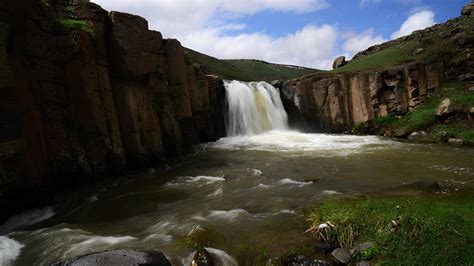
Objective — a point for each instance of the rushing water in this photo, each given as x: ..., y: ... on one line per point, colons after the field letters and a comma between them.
x: 249, y: 190
x: 254, y: 108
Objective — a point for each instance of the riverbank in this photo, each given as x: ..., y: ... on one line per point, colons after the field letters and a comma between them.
x: 409, y: 228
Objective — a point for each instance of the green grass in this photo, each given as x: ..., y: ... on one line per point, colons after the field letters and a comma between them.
x: 422, y: 117
x: 406, y: 230
x: 444, y: 132
x: 391, y: 56
x: 383, y: 120
x: 73, y: 24
x: 245, y: 69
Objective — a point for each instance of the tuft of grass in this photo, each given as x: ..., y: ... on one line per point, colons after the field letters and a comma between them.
x: 357, y: 129
x: 391, y: 56
x: 429, y: 230
x: 199, y: 238
x: 383, y: 120
x: 73, y: 24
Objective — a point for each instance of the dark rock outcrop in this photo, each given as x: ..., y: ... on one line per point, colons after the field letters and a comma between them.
x: 339, y: 62
x: 118, y: 257
x: 87, y: 93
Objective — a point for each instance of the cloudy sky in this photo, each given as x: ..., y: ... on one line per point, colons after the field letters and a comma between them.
x: 300, y: 32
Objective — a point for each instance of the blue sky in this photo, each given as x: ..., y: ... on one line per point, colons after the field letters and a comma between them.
x: 301, y: 32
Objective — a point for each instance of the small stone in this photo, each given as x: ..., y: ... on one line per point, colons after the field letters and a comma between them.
x: 363, y: 263
x: 471, y: 111
x: 342, y: 255
x: 444, y: 108
x: 471, y: 89
x: 419, y: 51
x: 362, y: 247
x: 454, y: 141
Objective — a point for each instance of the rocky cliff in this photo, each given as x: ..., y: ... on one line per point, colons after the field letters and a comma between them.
x: 338, y: 102
x: 389, y: 80
x: 86, y: 93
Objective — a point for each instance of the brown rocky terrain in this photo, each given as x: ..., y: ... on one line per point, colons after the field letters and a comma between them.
x: 87, y: 93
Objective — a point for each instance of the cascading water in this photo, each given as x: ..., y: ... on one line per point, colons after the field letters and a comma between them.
x: 253, y: 108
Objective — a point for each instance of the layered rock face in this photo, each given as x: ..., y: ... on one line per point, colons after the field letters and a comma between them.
x: 87, y: 93
x: 337, y: 102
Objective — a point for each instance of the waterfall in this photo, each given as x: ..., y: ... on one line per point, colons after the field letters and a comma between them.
x: 253, y: 108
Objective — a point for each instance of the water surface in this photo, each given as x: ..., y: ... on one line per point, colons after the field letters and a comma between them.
x: 251, y: 191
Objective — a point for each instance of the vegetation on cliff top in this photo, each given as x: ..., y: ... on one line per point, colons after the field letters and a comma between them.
x: 246, y: 69
x: 436, y: 43
x: 433, y: 229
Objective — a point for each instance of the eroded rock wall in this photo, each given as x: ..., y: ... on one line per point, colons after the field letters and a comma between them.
x: 337, y: 102
x: 86, y: 93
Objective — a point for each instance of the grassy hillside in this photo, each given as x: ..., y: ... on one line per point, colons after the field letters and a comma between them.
x: 246, y: 69
x: 446, y: 42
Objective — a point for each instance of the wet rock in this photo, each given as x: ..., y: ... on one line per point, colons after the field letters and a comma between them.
x: 401, y: 132
x: 464, y: 77
x: 418, y: 136
x: 444, y: 108
x: 339, y: 62
x: 202, y: 258
x: 325, y: 247
x: 310, y: 179
x: 342, y: 255
x: 418, y: 51
x: 422, y: 184
x: 118, y: 257
x: 468, y: 10
x: 362, y: 247
x: 303, y: 260
x: 454, y: 141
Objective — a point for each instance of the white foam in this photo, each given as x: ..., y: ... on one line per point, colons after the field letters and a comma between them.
x: 255, y: 172
x: 26, y: 219
x: 262, y: 186
x: 204, y: 180
x: 230, y: 215
x: 299, y: 143
x: 221, y: 258
x: 218, y: 192
x: 330, y: 192
x: 94, y: 242
x: 289, y: 181
x: 9, y: 250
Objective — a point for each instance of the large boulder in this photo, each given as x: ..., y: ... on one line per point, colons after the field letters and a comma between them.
x: 339, y: 62
x: 117, y: 257
x: 468, y: 9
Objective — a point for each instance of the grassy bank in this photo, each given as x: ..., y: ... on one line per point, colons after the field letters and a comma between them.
x: 433, y: 229
x: 438, y: 129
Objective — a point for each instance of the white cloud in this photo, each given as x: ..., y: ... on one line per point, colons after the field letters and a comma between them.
x: 356, y: 42
x: 416, y: 21
x: 311, y: 46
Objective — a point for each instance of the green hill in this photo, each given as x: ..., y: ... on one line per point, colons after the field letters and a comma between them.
x: 246, y: 69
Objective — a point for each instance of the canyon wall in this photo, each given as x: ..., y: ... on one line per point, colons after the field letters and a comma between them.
x: 336, y: 103
x: 87, y: 93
